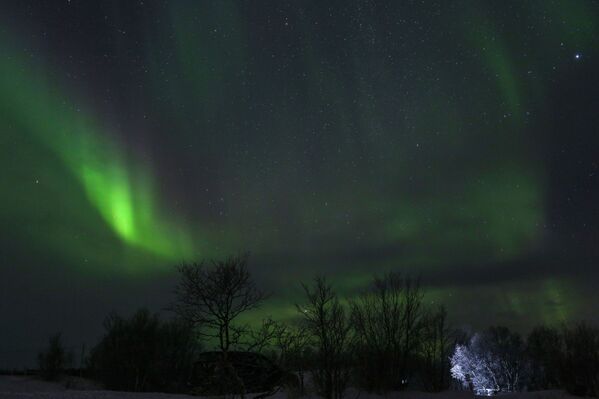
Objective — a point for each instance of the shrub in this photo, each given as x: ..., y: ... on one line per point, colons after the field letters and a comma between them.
x: 54, y: 360
x: 143, y: 353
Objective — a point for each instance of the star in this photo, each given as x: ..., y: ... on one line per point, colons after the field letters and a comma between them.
x: 577, y: 56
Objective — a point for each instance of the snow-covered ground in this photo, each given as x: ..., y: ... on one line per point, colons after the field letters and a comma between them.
x: 26, y: 387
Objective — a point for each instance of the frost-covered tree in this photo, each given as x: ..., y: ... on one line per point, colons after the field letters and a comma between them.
x: 491, y: 362
x: 473, y: 369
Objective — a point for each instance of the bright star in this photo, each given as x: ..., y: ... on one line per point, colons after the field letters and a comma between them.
x: 578, y: 56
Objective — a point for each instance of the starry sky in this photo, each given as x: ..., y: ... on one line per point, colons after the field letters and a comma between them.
x: 456, y: 141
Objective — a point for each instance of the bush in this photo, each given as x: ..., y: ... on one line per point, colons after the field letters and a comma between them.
x: 54, y: 360
x: 143, y: 354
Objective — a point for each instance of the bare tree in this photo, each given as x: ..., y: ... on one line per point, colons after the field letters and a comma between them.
x: 386, y: 318
x: 412, y: 314
x: 292, y: 343
x: 436, y: 347
x: 328, y: 326
x: 212, y: 297
x: 508, y: 347
x: 544, y: 349
x: 264, y: 337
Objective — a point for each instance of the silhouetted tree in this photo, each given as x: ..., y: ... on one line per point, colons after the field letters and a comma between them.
x: 436, y: 346
x: 55, y: 359
x: 544, y: 349
x: 212, y: 298
x: 386, y: 319
x: 329, y: 329
x: 293, y: 343
x: 580, y: 363
x: 178, y: 349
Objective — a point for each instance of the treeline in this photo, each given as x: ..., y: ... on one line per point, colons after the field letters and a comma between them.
x: 384, y: 339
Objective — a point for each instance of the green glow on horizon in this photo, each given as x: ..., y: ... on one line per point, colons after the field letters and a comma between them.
x: 498, y: 214
x: 508, y: 303
x: 559, y: 307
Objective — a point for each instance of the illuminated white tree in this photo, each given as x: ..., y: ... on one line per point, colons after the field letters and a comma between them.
x: 491, y: 362
x: 473, y: 369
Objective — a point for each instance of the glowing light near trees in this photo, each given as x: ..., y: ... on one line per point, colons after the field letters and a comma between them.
x: 491, y: 362
x: 470, y: 368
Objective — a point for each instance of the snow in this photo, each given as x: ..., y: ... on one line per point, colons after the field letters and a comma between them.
x: 27, y: 387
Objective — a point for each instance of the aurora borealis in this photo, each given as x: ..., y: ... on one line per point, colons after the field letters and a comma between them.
x: 452, y: 140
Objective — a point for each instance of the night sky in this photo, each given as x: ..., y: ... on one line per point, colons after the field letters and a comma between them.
x: 453, y: 140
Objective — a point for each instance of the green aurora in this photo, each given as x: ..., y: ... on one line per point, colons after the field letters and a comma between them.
x: 70, y: 148
x: 315, y: 153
